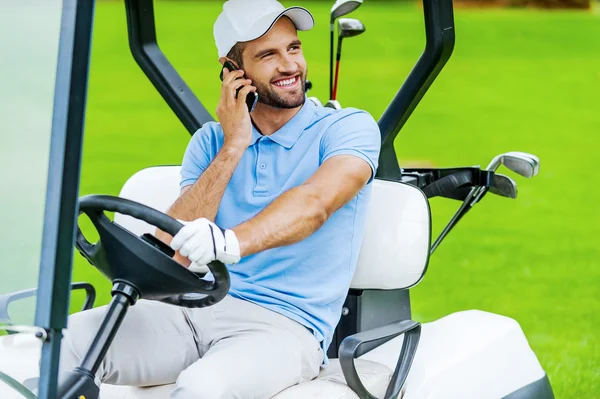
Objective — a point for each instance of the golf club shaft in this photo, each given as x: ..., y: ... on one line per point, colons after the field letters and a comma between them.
x: 337, y: 69
x: 331, y: 40
x: 475, y: 195
x: 493, y: 166
x: 464, y: 208
x: 457, y: 216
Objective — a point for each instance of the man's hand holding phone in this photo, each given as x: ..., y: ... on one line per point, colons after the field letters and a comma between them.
x: 233, y: 112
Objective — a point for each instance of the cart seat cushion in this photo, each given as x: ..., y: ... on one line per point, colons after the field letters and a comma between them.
x: 395, y: 250
x: 330, y: 384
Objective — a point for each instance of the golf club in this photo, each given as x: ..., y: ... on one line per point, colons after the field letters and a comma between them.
x: 339, y: 9
x: 504, y: 186
x: 519, y: 162
x: 347, y: 27
x: 526, y: 165
x: 535, y: 160
x: 333, y: 104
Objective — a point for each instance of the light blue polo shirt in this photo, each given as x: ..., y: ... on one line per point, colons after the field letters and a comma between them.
x: 307, y: 281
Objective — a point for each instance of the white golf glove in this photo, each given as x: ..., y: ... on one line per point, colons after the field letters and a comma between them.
x: 202, y: 242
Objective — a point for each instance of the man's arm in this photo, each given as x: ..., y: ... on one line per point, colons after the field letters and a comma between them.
x: 301, y: 211
x: 202, y: 199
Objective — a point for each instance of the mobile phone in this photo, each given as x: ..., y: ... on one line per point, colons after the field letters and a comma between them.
x: 252, y: 97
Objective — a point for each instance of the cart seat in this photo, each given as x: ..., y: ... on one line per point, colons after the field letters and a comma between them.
x: 397, y: 237
x: 330, y: 384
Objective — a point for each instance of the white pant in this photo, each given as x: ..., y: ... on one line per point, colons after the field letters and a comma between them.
x: 234, y: 349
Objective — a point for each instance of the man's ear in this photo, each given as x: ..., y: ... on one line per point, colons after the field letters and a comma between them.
x: 223, y: 59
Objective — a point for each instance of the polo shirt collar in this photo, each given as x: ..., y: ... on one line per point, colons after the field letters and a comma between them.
x: 291, y: 131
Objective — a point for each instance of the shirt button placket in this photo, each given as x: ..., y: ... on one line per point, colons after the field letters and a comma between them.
x: 262, y: 177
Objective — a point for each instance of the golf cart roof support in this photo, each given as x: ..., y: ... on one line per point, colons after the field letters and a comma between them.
x: 142, y: 42
x: 439, y: 32
x: 60, y: 214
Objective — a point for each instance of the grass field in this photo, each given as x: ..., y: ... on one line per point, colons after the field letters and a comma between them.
x: 518, y: 80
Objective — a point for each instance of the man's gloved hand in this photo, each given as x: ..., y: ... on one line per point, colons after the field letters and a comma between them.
x: 202, y: 242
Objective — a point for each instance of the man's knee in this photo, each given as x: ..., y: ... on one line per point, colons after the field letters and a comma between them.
x: 81, y: 329
x: 222, y: 380
x: 205, y: 384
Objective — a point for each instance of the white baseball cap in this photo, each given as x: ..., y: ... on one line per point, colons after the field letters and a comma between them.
x: 246, y: 20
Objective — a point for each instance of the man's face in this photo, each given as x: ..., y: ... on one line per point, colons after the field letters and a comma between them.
x: 276, y: 66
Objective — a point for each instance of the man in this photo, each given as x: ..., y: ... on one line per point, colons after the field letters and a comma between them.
x: 280, y: 196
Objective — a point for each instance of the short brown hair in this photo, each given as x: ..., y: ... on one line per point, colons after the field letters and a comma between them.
x: 236, y: 53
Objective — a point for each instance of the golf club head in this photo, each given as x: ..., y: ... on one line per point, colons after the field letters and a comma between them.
x: 349, y: 27
x: 343, y: 7
x: 335, y: 104
x: 526, y: 165
x: 504, y: 186
x: 534, y: 160
x: 339, y: 9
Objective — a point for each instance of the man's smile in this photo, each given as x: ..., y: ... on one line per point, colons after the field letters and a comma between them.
x: 287, y: 83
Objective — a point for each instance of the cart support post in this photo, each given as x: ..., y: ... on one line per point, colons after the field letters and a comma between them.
x: 70, y: 95
x: 439, y: 32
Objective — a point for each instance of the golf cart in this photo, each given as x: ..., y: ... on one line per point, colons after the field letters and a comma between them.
x: 378, y: 351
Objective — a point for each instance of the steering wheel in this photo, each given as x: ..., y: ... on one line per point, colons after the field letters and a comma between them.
x: 144, y: 262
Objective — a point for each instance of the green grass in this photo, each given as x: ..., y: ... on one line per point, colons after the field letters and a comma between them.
x: 518, y: 80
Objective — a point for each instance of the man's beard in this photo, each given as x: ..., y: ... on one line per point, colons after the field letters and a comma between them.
x: 267, y: 94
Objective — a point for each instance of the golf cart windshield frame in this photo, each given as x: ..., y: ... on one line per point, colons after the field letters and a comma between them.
x: 439, y: 30
x: 70, y: 95
x: 144, y: 48
x: 439, y: 33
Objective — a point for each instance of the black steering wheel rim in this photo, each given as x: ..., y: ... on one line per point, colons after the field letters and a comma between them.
x: 94, y: 207
x: 95, y: 204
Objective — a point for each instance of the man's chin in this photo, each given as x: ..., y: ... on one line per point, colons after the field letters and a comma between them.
x: 296, y: 101
x: 288, y: 101
x: 293, y: 104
